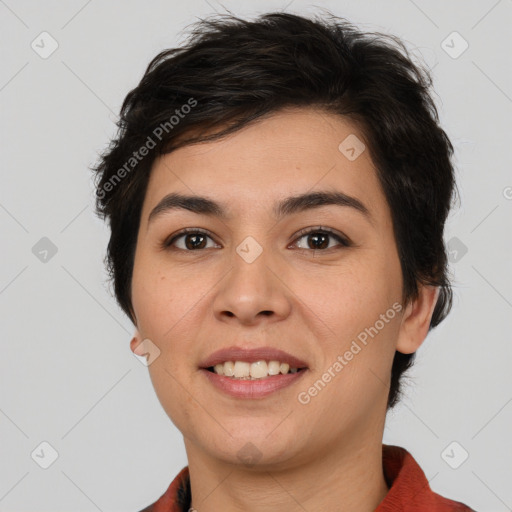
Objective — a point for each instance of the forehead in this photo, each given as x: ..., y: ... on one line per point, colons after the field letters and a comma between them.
x: 290, y: 152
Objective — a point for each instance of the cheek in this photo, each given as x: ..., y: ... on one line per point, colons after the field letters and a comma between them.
x: 168, y: 307
x: 154, y: 297
x: 356, y: 306
x: 350, y: 298
x: 163, y: 307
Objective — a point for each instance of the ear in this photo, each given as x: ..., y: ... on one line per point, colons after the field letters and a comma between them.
x: 416, y: 320
x: 137, y: 338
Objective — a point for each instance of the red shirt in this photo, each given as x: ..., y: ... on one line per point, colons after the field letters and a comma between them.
x: 409, y: 488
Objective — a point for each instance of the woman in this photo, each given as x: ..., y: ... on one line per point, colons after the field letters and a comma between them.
x: 277, y: 195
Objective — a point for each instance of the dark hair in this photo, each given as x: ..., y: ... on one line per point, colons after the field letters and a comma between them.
x: 232, y: 72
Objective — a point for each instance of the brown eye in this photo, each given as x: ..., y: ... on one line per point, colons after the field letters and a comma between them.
x: 319, y: 239
x: 190, y: 240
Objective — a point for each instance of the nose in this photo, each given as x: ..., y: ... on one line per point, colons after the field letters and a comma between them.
x: 253, y: 291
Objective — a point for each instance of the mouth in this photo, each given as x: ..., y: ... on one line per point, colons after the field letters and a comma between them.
x: 244, y: 370
x: 255, y: 373
x: 256, y: 363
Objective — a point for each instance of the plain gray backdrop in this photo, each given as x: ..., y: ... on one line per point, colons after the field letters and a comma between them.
x: 68, y: 377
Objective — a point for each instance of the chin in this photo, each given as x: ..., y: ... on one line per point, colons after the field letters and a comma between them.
x: 254, y: 448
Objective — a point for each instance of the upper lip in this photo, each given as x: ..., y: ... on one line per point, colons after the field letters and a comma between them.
x: 235, y: 353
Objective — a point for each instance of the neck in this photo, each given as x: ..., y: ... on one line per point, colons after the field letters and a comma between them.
x: 345, y: 479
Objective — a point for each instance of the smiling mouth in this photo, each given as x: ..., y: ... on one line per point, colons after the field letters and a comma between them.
x: 258, y: 370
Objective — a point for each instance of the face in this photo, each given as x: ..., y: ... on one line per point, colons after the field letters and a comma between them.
x: 320, y: 281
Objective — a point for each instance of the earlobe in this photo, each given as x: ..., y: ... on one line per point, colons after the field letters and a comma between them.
x: 137, y: 338
x: 416, y: 319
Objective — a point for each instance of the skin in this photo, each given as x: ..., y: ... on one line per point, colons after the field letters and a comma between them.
x: 324, y: 455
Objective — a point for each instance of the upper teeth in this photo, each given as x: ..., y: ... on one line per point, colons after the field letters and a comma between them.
x: 257, y: 370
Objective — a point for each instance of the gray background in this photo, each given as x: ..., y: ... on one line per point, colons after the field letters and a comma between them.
x: 67, y: 374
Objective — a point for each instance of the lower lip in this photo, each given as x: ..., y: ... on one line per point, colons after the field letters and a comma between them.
x: 258, y: 388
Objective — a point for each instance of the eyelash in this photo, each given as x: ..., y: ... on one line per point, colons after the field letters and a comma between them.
x: 306, y: 231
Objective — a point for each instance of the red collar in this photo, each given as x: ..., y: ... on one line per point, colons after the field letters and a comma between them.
x: 409, y: 488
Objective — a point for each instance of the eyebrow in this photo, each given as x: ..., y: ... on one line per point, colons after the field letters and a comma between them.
x: 288, y: 206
